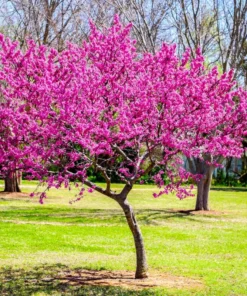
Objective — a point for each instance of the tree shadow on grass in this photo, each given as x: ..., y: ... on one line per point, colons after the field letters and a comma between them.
x: 97, y: 216
x: 154, y: 217
x: 150, y: 216
x: 234, y: 189
x: 81, y: 217
x: 61, y: 280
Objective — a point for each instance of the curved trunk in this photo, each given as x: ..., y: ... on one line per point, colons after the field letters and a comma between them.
x: 11, y: 183
x: 203, y: 187
x: 141, y: 261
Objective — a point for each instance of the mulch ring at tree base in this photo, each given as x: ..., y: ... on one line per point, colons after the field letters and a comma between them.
x: 13, y: 194
x: 126, y: 280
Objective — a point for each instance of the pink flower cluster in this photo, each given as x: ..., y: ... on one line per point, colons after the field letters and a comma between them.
x: 105, y: 106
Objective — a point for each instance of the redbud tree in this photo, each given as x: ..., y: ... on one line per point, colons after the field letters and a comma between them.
x: 226, y: 113
x: 104, y: 106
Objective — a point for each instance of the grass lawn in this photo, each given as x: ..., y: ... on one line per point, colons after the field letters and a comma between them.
x: 39, y: 242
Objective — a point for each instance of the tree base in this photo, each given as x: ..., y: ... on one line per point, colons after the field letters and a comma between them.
x: 202, y: 209
x: 11, y: 184
x: 143, y: 275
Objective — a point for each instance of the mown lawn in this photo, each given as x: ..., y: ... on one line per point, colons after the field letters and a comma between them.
x: 39, y: 241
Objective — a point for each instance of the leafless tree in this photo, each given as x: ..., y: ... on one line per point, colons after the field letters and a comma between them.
x: 49, y: 22
x: 218, y: 27
x: 231, y: 32
x: 149, y: 19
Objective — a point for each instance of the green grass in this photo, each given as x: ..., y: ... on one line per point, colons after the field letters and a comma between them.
x: 36, y: 240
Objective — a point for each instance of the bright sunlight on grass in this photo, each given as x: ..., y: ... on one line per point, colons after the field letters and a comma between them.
x: 40, y: 241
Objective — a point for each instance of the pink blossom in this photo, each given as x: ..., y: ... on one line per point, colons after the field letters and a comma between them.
x: 103, y: 106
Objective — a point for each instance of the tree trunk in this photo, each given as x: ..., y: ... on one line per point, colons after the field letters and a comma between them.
x: 141, y: 261
x: 228, y: 167
x: 243, y: 177
x: 11, y: 183
x: 199, y: 197
x: 203, y: 187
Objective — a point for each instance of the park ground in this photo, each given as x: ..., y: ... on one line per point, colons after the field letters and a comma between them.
x: 85, y: 247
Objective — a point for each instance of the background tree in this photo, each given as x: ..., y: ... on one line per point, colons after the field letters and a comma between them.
x: 149, y: 19
x: 219, y: 29
x: 194, y: 25
x: 48, y: 22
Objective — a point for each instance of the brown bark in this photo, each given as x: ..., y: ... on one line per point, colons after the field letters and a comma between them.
x: 228, y: 167
x: 121, y: 199
x: 199, y: 197
x: 141, y: 261
x: 11, y: 183
x: 203, y: 187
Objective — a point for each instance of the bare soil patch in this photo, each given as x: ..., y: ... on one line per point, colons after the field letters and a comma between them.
x: 13, y: 194
x: 126, y: 280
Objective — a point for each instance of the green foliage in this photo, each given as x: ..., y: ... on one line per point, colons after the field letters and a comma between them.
x: 226, y: 180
